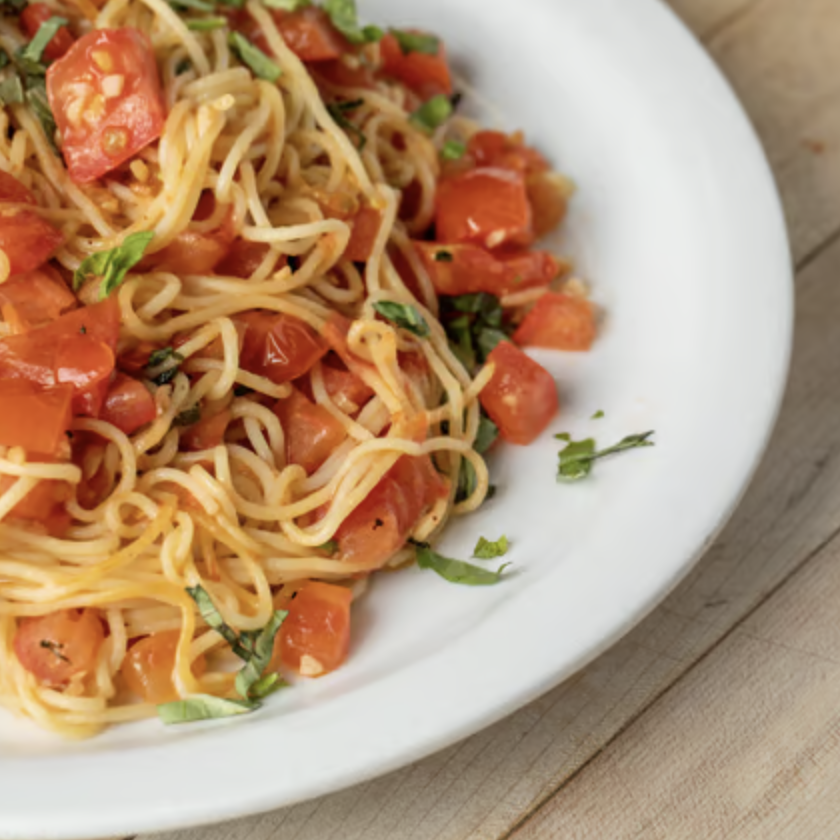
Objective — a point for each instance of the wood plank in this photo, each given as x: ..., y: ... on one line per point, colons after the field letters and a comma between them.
x: 746, y: 747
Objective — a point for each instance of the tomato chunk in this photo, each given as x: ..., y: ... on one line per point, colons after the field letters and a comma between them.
x: 559, y: 321
x: 34, y: 419
x: 380, y: 525
x: 348, y: 391
x: 59, y: 646
x: 243, y: 258
x: 521, y: 398
x: 277, y: 346
x: 487, y: 206
x: 12, y: 190
x: 149, y: 665
x: 312, y: 433
x: 315, y: 637
x: 427, y: 75
x: 365, y: 229
x: 310, y: 35
x: 31, y: 19
x: 464, y: 269
x: 128, y: 405
x: 27, y: 239
x: 207, y: 433
x: 107, y: 100
x: 35, y: 298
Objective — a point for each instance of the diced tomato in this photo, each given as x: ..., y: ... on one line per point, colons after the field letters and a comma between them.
x: 31, y: 19
x: 335, y: 333
x: 427, y: 75
x: 135, y: 360
x: 487, y: 206
x: 380, y: 525
x: 312, y: 433
x: 60, y: 645
x: 243, y: 258
x: 27, y: 239
x: 559, y: 321
x: 88, y: 455
x: 345, y: 74
x: 310, y: 35
x: 317, y: 627
x: 42, y: 502
x: 521, y: 398
x: 277, y: 346
x: 128, y: 405
x: 149, y: 665
x: 107, y: 100
x: 34, y: 419
x: 348, y: 391
x: 207, y: 433
x: 365, y: 229
x: 36, y: 297
x: 76, y: 349
x: 13, y: 191
x: 464, y: 269
x: 497, y: 149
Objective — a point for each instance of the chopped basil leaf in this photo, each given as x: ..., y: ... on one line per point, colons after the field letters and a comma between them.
x: 475, y: 333
x: 262, y: 651
x: 460, y: 341
x: 487, y: 433
x: 30, y: 55
x: 483, y: 304
x: 403, y: 315
x: 563, y: 436
x: 330, y: 546
x: 453, y: 150
x: 578, y: 456
x: 345, y: 19
x: 267, y: 685
x: 261, y: 65
x: 189, y: 416
x: 488, y: 338
x: 214, y: 619
x: 456, y: 571
x: 36, y: 98
x: 55, y: 649
x: 113, y: 265
x: 488, y: 550
x: 158, y: 357
x: 443, y: 256
x: 491, y: 491
x: 197, y: 5
x: 202, y: 707
x: 338, y: 111
x: 433, y: 113
x: 467, y: 481
x: 416, y: 42
x: 597, y: 415
x: 11, y: 90
x: 4, y: 58
x: 287, y: 5
x: 206, y: 24
x: 183, y: 65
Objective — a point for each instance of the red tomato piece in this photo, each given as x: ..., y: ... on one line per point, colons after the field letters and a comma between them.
x: 27, y: 239
x: 277, y: 346
x: 341, y: 74
x: 335, y: 334
x: 559, y: 321
x: 34, y: 419
x: 365, y: 229
x: 243, y: 258
x: 495, y: 148
x: 42, y: 502
x: 149, y: 665
x: 310, y: 35
x: 317, y: 627
x: 427, y: 75
x: 107, y: 100
x: 36, y: 297
x: 207, y: 433
x: 521, y: 398
x: 128, y: 405
x: 31, y: 19
x: 60, y: 645
x: 135, y: 360
x: 312, y: 433
x: 12, y: 190
x: 464, y: 269
x: 487, y: 206
x: 348, y: 391
x: 380, y: 525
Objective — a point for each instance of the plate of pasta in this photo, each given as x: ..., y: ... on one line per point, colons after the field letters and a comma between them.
x: 364, y: 372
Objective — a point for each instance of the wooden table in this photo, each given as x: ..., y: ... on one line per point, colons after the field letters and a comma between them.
x: 719, y: 716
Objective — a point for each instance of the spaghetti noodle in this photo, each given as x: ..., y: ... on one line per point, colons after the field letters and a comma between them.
x: 267, y: 380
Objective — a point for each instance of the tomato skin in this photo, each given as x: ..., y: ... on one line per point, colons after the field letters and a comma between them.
x: 426, y: 75
x: 99, y: 131
x: 497, y: 149
x: 39, y: 503
x: 380, y: 525
x: 128, y: 405
x: 486, y: 206
x: 348, y: 391
x: 521, y: 398
x: 149, y: 663
x: 277, y: 346
x: 27, y: 239
x: 365, y: 229
x: 208, y: 433
x: 31, y: 19
x: 77, y: 635
x: 312, y: 433
x: 34, y: 419
x: 341, y: 74
x: 243, y: 258
x: 310, y: 35
x: 35, y: 298
x: 558, y: 321
x: 12, y: 190
x: 475, y: 269
x: 317, y: 626
x: 335, y: 334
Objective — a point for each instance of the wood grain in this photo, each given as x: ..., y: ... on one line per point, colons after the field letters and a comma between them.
x: 782, y: 57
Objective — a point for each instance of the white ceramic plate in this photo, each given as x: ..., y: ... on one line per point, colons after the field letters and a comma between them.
x: 677, y: 224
